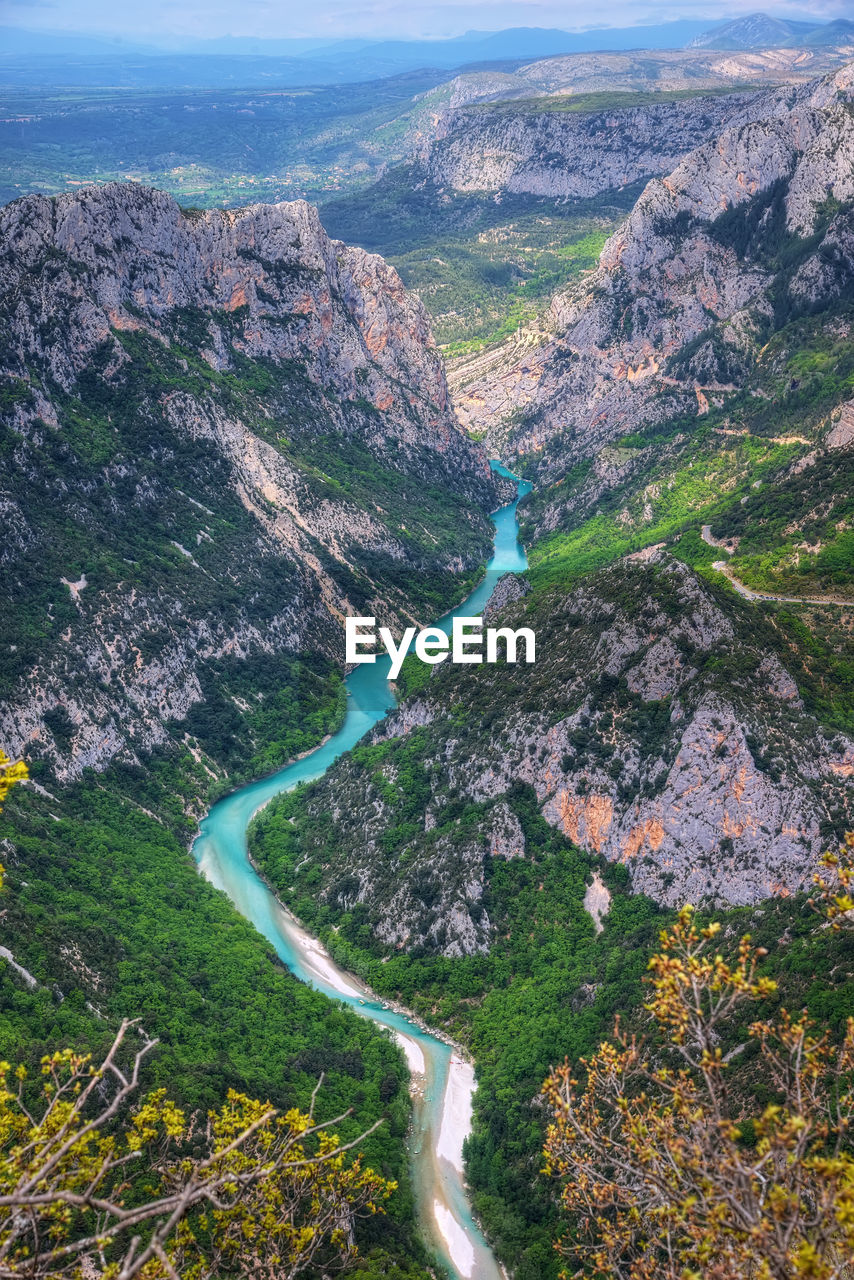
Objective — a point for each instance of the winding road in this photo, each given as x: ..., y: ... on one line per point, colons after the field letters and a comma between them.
x: 748, y: 593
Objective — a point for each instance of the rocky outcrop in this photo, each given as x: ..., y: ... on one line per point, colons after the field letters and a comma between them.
x: 83, y: 269
x: 565, y: 153
x: 663, y: 71
x: 508, y: 589
x: 496, y: 132
x: 207, y: 420
x: 657, y: 729
x: 753, y: 225
x: 841, y: 434
x: 597, y: 901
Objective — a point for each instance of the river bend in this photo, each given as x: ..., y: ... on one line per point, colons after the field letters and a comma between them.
x: 443, y: 1082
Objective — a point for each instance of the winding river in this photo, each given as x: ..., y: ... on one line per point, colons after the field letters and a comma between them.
x: 442, y: 1082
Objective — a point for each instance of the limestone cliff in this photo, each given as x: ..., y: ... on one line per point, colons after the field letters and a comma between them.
x: 658, y: 728
x: 652, y: 71
x: 749, y: 229
x: 566, y: 153
x: 220, y: 431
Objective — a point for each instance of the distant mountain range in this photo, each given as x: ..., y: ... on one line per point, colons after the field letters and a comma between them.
x: 761, y: 31
x: 64, y: 58
x: 473, y: 46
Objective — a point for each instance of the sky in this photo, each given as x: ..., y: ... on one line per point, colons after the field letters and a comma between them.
x: 158, y: 20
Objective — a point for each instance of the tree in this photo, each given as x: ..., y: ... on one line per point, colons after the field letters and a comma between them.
x: 666, y: 1172
x: 836, y: 891
x: 11, y: 771
x: 92, y: 1187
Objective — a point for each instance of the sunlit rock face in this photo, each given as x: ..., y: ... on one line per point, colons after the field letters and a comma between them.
x: 754, y: 223
x: 655, y: 730
x: 574, y: 155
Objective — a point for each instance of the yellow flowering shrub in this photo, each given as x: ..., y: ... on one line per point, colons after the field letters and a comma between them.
x: 93, y: 1186
x: 663, y: 1173
x: 10, y: 773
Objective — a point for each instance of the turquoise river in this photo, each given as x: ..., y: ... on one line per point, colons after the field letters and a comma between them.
x: 442, y: 1082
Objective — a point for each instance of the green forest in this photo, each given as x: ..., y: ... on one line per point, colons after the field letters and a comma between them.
x: 548, y: 988
x: 110, y: 915
x: 481, y: 267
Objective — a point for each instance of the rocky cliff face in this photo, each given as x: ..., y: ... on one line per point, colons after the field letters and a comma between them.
x: 668, y: 70
x: 662, y: 71
x: 81, y: 270
x: 747, y: 230
x: 220, y: 431
x: 658, y: 728
x: 565, y: 153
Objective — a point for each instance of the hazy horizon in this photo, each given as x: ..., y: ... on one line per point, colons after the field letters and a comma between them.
x: 162, y: 23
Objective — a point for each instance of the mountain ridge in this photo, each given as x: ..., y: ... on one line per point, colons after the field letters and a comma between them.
x: 754, y: 31
x: 783, y: 136
x: 655, y: 730
x: 141, y: 340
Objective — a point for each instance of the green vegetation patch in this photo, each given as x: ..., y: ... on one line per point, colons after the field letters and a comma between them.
x: 482, y: 265
x: 592, y: 103
x: 111, y: 916
x: 676, y: 488
x: 258, y: 713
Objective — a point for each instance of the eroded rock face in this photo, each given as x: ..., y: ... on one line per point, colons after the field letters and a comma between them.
x: 508, y: 589
x: 648, y: 71
x: 507, y: 839
x: 678, y: 307
x: 430, y: 912
x: 119, y: 258
x: 568, y: 154
x: 841, y: 434
x: 656, y: 729
x: 179, y: 387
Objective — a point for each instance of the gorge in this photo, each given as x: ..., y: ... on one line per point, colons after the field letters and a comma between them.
x: 224, y: 431
x: 443, y: 1081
